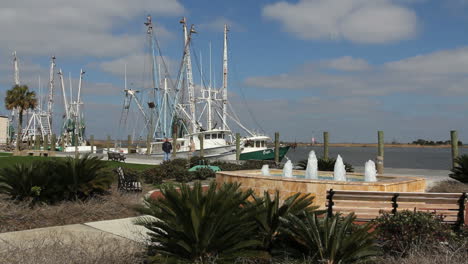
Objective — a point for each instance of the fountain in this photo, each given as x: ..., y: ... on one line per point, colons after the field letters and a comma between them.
x: 339, y: 173
x: 287, y: 169
x: 370, y: 172
x: 265, y: 170
x: 312, y: 167
x: 289, y: 181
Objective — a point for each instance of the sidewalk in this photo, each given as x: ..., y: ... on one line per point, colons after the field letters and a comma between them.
x: 118, y: 230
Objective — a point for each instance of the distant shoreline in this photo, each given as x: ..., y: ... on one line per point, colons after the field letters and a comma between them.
x: 373, y: 145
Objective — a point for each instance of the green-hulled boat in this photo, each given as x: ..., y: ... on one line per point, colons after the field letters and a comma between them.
x: 255, y: 148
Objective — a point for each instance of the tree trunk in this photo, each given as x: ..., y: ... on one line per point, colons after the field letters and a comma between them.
x: 18, y: 133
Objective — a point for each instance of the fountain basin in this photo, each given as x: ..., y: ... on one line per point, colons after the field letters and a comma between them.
x: 253, y: 179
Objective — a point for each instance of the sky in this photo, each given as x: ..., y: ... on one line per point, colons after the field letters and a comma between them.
x: 349, y: 67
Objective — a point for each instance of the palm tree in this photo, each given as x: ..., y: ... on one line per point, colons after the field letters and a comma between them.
x: 19, y: 97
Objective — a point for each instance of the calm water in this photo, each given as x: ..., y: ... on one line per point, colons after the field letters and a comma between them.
x: 413, y: 158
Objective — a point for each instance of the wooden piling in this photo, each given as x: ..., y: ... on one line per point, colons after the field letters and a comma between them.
x: 277, y: 144
x: 380, y: 152
x: 202, y: 151
x: 108, y: 143
x: 326, y: 152
x: 129, y: 144
x: 454, y: 143
x: 91, y: 142
x: 53, y: 141
x: 46, y: 143
x: 174, y: 145
x: 238, y: 150
x: 148, y: 144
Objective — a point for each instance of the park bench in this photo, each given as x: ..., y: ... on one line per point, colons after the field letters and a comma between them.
x: 116, y: 156
x: 126, y: 182
x: 369, y: 205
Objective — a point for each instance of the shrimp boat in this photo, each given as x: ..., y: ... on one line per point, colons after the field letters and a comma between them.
x: 176, y: 108
x: 174, y: 111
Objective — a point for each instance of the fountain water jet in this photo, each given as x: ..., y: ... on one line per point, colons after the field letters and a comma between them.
x: 312, y: 167
x: 265, y: 170
x: 287, y: 169
x: 339, y: 172
x: 370, y: 172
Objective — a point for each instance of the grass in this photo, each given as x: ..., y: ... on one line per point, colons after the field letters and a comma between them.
x: 53, y: 249
x: 449, y: 186
x: 6, y: 159
x: 17, y: 216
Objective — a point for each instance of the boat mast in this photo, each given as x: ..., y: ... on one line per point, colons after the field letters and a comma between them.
x: 78, y: 102
x: 209, y: 99
x: 16, y: 68
x: 65, y: 103
x: 225, y: 76
x: 188, y: 70
x: 50, y: 102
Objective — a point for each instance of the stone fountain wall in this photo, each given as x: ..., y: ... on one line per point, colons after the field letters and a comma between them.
x: 252, y: 179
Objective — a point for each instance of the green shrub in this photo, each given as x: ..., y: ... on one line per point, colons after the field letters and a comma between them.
x: 55, y: 180
x: 330, y: 239
x: 153, y: 175
x: 179, y: 162
x: 200, y: 226
x: 325, y: 165
x: 257, y: 164
x: 203, y: 174
x: 405, y: 230
x: 227, y: 166
x: 460, y: 171
x: 197, y: 160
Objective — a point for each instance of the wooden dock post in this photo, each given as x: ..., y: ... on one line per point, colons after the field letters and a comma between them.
x: 46, y: 143
x: 454, y: 142
x: 238, y: 150
x: 37, y: 143
x: 91, y: 142
x: 129, y: 144
x: 202, y: 151
x: 75, y: 141
x: 380, y: 152
x: 148, y: 144
x: 325, y: 145
x: 174, y: 144
x: 108, y: 143
x: 53, y: 141
x: 277, y: 144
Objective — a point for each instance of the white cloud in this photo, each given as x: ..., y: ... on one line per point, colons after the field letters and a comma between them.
x: 441, y: 62
x: 217, y: 25
x: 359, y: 21
x: 441, y: 73
x: 77, y: 28
x: 347, y: 63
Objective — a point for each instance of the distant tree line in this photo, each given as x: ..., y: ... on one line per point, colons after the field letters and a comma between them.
x: 433, y: 143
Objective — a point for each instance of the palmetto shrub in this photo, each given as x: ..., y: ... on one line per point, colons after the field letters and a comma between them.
x: 460, y: 171
x: 330, y: 240
x: 325, y: 165
x: 201, y: 226
x: 55, y: 180
x: 270, y: 212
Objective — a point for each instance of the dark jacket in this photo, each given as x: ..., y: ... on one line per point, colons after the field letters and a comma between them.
x: 167, y: 147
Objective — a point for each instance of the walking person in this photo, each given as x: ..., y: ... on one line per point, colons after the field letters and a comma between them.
x: 167, y: 147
